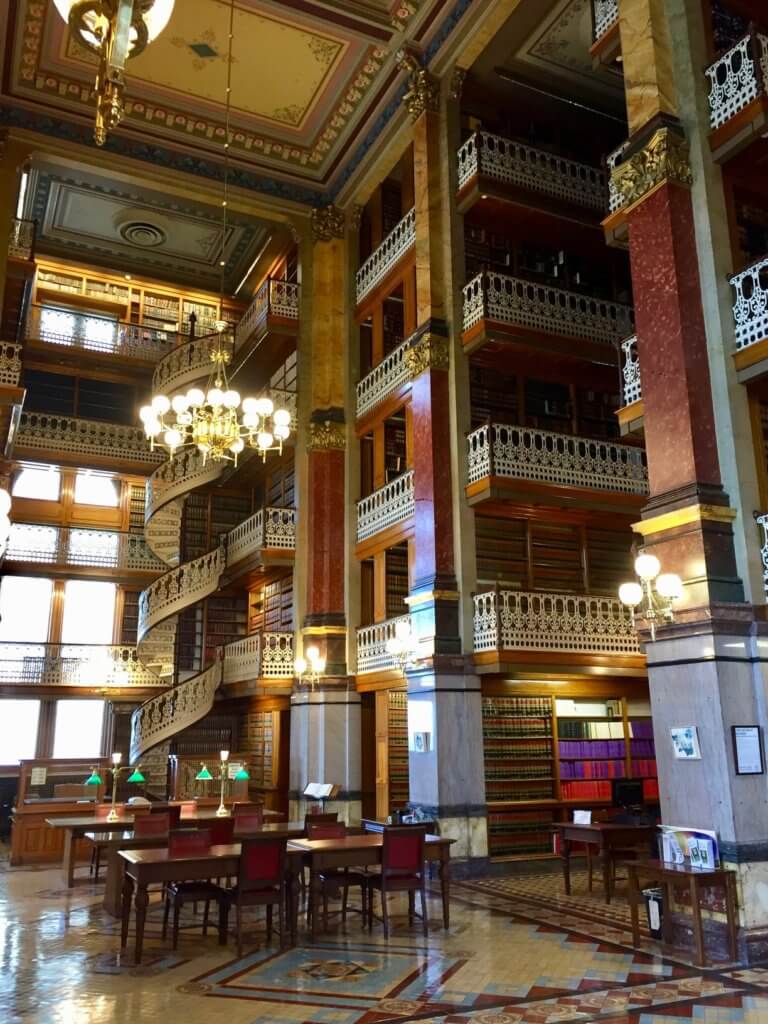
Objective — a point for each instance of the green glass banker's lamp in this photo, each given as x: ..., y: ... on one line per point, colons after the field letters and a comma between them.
x: 94, y: 779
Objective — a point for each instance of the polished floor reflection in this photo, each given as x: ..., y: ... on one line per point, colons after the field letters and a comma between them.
x: 517, y: 953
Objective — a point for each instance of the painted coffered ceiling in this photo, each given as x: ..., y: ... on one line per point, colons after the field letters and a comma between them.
x: 87, y: 216
x: 310, y: 78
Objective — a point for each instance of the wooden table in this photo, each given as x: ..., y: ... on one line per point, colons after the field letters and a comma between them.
x: 365, y: 851
x: 608, y: 839
x: 142, y: 868
x: 76, y: 828
x: 673, y: 876
x: 113, y: 843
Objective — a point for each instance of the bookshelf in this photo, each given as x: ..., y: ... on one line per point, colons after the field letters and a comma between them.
x: 397, y: 725
x: 227, y: 512
x: 270, y: 607
x: 396, y: 560
x: 226, y: 620
x: 395, y: 451
x: 194, y: 527
x: 130, y: 617
x: 189, y: 639
x: 136, y: 509
x: 544, y: 755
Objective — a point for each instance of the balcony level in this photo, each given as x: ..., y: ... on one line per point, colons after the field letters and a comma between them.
x: 630, y: 415
x: 373, y: 655
x: 389, y: 381
x: 52, y: 332
x: 71, y: 440
x: 750, y: 320
x: 28, y: 667
x: 521, y: 632
x: 386, y: 514
x: 273, y: 313
x: 606, y: 45
x: 504, y: 460
x: 386, y: 264
x: 265, y: 539
x: 489, y: 165
x: 262, y: 660
x: 738, y: 95
x: 504, y: 310
x: 81, y: 552
x: 615, y: 222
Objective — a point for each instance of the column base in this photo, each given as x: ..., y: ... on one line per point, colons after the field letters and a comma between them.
x: 348, y: 806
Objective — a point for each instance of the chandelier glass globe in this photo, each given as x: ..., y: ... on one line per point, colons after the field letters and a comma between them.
x: 91, y: 21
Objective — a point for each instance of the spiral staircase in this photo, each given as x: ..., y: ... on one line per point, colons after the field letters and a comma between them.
x: 184, y: 701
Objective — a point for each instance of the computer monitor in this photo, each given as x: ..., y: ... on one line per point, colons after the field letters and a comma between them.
x: 627, y: 793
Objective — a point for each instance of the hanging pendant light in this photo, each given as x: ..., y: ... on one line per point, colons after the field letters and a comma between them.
x: 116, y: 30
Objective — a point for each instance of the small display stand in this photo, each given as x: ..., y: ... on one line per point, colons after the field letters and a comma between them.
x: 321, y: 791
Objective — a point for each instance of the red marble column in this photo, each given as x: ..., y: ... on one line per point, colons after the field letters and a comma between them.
x: 325, y: 561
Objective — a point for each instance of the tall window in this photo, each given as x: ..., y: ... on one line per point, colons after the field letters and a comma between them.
x: 79, y: 725
x: 25, y: 608
x: 96, y: 489
x: 18, y: 729
x: 89, y: 612
x: 36, y: 481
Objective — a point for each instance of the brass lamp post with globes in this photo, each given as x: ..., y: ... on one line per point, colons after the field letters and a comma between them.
x: 653, y: 594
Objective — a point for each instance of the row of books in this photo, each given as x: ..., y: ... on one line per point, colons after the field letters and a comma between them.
x: 650, y: 790
x: 642, y: 730
x: 585, y: 790
x: 592, y: 748
x: 644, y: 768
x: 516, y: 728
x: 512, y: 792
x: 495, y: 751
x: 517, y: 707
x: 590, y: 730
x: 642, y: 748
x: 592, y: 769
x: 526, y: 770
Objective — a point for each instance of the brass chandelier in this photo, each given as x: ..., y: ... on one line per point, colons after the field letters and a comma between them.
x: 115, y: 30
x: 216, y: 421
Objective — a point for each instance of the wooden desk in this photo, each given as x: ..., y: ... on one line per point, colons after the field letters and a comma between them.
x: 144, y: 867
x: 608, y: 838
x: 673, y: 876
x: 365, y: 851
x: 113, y: 843
x: 77, y: 827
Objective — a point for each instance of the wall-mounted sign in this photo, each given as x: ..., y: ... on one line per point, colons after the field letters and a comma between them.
x: 685, y: 742
x: 748, y: 749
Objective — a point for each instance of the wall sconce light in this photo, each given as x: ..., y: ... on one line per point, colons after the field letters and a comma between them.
x: 652, y: 595
x: 310, y: 669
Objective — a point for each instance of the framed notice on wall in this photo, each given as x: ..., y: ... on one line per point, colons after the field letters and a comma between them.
x: 748, y: 749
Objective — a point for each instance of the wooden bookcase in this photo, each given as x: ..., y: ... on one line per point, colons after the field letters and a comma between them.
x: 398, y: 748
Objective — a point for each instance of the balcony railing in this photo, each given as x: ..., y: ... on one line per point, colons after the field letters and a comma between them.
x: 762, y: 521
x: 21, y: 244
x: 179, y: 588
x: 274, y: 298
x: 605, y: 14
x: 615, y: 198
x: 97, y: 333
x: 10, y: 363
x: 540, y: 307
x: 516, y: 620
x: 750, y: 310
x: 522, y: 453
x: 259, y: 656
x: 738, y: 78
x: 267, y: 528
x: 397, y: 243
x: 383, y: 379
x: 391, y: 504
x: 516, y: 164
x: 48, y: 432
x: 24, y: 664
x: 75, y: 546
x: 372, y: 653
x: 630, y: 371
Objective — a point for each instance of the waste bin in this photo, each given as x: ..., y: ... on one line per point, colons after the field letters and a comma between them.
x: 654, y: 908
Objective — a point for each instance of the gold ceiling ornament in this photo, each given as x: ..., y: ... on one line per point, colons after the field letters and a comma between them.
x: 327, y: 223
x: 429, y: 352
x: 326, y: 435
x: 216, y: 421
x: 664, y: 158
x: 424, y: 91
x: 115, y: 30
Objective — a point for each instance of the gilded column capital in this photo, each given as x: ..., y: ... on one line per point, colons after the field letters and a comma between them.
x: 664, y: 158
x: 326, y: 435
x: 429, y: 352
x: 424, y: 88
x: 327, y: 223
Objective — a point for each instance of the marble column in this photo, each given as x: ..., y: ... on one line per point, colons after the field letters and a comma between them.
x: 14, y: 154
x: 704, y: 668
x: 325, y: 720
x: 444, y: 710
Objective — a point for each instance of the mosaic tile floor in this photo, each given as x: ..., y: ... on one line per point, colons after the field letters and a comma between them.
x: 518, y: 952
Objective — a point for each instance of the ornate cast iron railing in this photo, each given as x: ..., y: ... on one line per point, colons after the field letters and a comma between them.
x: 185, y: 363
x: 177, y: 708
x: 267, y: 528
x: 512, y: 300
x: 21, y: 244
x: 73, y: 665
x: 96, y: 333
x: 397, y: 243
x: 737, y: 78
x: 630, y: 371
x: 179, y: 588
x: 383, y: 379
x: 80, y: 546
x: 277, y: 656
x: 275, y: 298
x: 515, y: 620
x: 10, y: 363
x: 372, y: 653
x: 514, y: 163
x: 605, y: 14
x: 615, y: 198
x: 390, y: 504
x: 750, y: 310
x: 524, y: 453
x: 48, y: 432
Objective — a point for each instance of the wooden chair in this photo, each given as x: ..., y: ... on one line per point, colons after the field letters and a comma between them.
x: 151, y: 825
x: 402, y: 870
x: 334, y: 881
x: 261, y: 882
x: 188, y: 842
x: 248, y: 822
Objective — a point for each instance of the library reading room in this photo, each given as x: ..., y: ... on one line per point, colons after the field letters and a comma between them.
x: 383, y: 511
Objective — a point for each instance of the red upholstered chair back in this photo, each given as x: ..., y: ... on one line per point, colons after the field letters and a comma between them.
x: 403, y: 850
x: 151, y: 825
x: 221, y: 831
x: 189, y: 842
x: 249, y: 808
x: 326, y: 830
x: 248, y: 821
x: 262, y: 863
